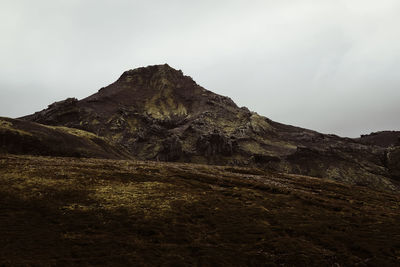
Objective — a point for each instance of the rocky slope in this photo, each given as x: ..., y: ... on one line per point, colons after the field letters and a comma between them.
x: 157, y: 113
x: 383, y: 139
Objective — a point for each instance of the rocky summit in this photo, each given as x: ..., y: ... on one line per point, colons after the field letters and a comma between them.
x: 158, y: 113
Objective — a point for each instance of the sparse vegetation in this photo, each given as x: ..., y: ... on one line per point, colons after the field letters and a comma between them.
x: 6, y: 125
x: 67, y: 211
x: 22, y: 137
x: 74, y: 131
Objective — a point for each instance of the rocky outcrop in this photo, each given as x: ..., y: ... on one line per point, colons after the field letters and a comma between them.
x: 393, y: 162
x: 215, y: 143
x: 171, y: 149
x: 383, y: 138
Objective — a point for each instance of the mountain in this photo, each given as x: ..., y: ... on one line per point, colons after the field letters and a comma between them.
x: 158, y: 113
x: 89, y: 202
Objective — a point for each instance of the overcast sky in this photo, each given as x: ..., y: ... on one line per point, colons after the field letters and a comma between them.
x: 327, y: 65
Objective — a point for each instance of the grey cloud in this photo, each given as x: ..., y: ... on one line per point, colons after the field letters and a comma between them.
x: 327, y: 65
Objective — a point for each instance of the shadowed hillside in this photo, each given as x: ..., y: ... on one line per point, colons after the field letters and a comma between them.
x: 22, y: 137
x: 65, y: 211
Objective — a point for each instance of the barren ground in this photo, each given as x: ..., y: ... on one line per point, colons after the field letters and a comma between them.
x: 69, y: 211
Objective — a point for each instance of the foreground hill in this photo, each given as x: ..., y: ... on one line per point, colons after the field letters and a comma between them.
x: 157, y: 113
x: 22, y: 137
x: 66, y: 211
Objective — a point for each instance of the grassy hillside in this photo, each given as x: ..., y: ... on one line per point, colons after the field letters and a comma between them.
x: 23, y: 137
x: 69, y: 211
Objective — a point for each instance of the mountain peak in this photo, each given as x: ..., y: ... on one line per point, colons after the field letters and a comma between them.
x: 153, y: 68
x: 158, y: 90
x: 152, y: 73
x: 145, y: 83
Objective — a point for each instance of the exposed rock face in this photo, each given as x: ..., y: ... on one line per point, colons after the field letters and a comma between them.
x: 393, y: 162
x: 383, y: 138
x: 171, y: 149
x: 157, y: 113
x: 215, y: 143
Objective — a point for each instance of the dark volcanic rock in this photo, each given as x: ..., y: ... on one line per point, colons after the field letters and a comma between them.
x: 157, y: 113
x: 171, y: 149
x: 383, y: 139
x: 215, y: 143
x: 393, y: 162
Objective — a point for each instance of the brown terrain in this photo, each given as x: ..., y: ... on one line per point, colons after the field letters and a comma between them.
x: 156, y: 170
x: 70, y: 211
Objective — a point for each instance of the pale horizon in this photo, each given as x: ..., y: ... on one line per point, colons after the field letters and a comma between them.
x: 329, y: 66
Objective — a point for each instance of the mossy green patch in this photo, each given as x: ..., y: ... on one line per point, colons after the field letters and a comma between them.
x: 259, y: 123
x: 252, y: 146
x: 162, y: 104
x: 74, y: 131
x: 155, y: 196
x: 8, y: 126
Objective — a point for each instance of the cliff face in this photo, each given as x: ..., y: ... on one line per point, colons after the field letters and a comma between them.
x: 157, y: 113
